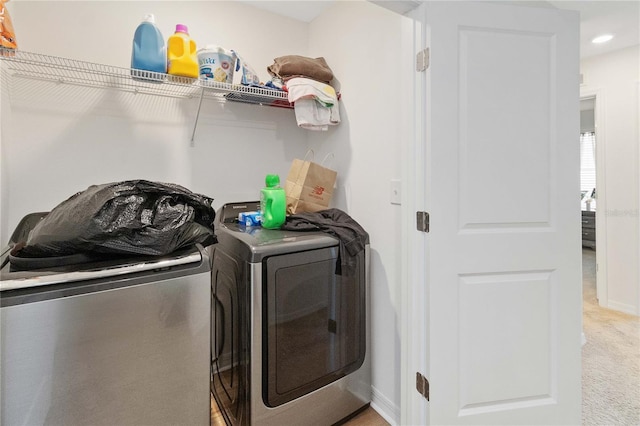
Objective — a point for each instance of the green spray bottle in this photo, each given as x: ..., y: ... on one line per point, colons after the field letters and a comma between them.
x: 273, y: 203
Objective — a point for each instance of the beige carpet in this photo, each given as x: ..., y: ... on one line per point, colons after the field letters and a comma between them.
x: 610, y: 359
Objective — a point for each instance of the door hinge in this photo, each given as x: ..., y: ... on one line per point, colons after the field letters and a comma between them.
x: 422, y: 221
x: 422, y: 60
x: 422, y: 385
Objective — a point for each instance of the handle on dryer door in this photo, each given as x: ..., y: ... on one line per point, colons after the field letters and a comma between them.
x: 214, y: 299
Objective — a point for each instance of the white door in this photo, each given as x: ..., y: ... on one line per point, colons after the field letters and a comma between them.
x: 503, y: 270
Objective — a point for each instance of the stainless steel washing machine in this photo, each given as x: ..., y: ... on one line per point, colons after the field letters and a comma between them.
x: 290, y: 338
x: 108, y: 341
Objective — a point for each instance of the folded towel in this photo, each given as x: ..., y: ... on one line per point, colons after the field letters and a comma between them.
x: 306, y: 88
x: 335, y: 114
x: 286, y: 67
x: 312, y: 116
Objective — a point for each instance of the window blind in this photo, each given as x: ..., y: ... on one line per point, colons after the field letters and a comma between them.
x: 587, y: 161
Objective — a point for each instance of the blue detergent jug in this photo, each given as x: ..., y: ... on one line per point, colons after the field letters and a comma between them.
x: 149, y: 51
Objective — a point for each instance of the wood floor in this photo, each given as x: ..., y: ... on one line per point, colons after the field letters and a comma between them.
x: 368, y: 417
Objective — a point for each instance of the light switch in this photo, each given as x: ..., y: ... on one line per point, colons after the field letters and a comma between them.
x: 396, y: 193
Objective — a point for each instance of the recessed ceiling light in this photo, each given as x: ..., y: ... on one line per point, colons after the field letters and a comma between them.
x: 602, y: 39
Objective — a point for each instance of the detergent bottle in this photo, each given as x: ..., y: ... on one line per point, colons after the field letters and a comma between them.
x: 182, y: 57
x: 217, y: 63
x: 273, y: 203
x: 149, y: 51
x: 8, y: 43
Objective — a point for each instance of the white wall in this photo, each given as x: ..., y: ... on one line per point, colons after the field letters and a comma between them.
x: 59, y: 139
x: 587, y: 120
x: 615, y: 77
x: 363, y: 44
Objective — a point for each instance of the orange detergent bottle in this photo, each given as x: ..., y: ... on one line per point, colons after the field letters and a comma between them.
x: 182, y: 58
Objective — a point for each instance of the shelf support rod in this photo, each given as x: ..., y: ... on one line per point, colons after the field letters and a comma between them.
x: 195, y: 124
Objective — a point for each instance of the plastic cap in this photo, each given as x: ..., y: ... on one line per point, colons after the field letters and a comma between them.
x: 149, y: 18
x: 272, y: 180
x: 180, y: 28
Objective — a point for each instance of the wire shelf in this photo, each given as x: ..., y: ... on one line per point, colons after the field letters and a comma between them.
x: 64, y: 70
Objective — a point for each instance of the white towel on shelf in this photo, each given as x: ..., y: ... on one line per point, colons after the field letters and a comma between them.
x: 315, y: 103
x: 303, y: 88
x: 311, y: 115
x: 334, y: 114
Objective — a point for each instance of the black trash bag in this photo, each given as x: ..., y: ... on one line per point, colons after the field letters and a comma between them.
x: 130, y: 217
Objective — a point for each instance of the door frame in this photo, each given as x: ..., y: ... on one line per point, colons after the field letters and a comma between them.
x: 601, y: 206
x: 414, y: 409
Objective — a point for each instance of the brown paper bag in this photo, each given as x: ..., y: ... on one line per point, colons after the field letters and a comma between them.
x: 309, y: 186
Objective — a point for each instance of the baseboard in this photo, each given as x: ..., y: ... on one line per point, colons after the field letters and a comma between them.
x: 385, y: 407
x: 622, y: 307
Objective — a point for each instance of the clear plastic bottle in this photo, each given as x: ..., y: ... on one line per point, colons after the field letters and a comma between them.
x: 273, y: 203
x: 182, y: 57
x: 149, y: 52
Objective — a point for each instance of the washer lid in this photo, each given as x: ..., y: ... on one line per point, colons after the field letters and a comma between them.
x: 253, y: 243
x: 12, y: 280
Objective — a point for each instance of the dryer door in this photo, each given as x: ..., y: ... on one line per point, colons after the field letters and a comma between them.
x: 229, y: 339
x: 314, y: 323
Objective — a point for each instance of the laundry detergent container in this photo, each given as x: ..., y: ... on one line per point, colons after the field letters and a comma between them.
x: 217, y: 64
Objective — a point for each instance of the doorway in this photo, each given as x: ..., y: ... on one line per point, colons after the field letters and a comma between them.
x: 588, y: 201
x: 588, y: 195
x: 593, y: 196
x: 609, y: 355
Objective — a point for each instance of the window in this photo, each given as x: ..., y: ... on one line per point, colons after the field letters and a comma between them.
x: 587, y: 166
